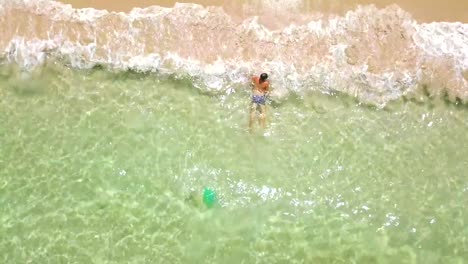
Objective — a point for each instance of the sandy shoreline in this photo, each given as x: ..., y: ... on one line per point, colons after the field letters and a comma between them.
x: 374, y: 54
x: 422, y: 10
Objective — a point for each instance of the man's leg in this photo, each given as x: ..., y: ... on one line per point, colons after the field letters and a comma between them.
x: 253, y: 111
x: 262, y: 117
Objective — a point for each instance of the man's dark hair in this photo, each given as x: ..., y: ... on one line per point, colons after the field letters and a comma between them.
x: 263, y: 76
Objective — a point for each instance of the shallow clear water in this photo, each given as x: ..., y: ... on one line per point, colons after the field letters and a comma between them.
x: 98, y: 168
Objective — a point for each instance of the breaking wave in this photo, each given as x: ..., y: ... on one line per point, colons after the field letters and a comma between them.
x: 375, y: 55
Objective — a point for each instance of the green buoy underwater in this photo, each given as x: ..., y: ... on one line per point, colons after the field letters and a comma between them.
x: 209, y: 197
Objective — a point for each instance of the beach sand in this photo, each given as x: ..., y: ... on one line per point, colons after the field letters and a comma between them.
x: 422, y: 10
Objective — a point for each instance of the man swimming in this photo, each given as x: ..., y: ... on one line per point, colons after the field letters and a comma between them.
x: 260, y: 89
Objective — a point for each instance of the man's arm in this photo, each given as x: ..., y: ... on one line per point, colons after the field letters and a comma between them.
x: 267, y: 88
x: 252, y: 82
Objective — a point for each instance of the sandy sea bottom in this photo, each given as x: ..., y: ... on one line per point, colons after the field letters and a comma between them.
x: 98, y: 167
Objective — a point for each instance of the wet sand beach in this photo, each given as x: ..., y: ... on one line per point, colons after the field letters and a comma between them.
x: 422, y: 10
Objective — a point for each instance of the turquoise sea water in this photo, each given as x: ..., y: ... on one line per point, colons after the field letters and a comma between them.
x: 99, y: 167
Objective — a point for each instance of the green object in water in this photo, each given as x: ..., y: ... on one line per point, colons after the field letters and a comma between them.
x: 209, y: 197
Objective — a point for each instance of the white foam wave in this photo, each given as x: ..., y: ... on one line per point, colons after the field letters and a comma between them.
x: 351, y: 54
x: 444, y: 40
